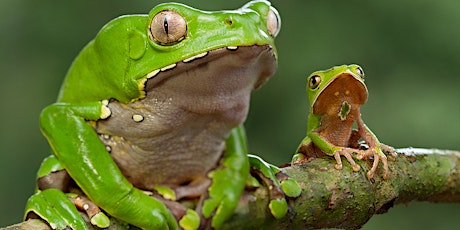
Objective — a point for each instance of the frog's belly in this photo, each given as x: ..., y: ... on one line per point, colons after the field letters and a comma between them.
x: 174, y: 164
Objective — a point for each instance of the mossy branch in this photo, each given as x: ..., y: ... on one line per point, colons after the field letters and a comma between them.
x: 345, y: 199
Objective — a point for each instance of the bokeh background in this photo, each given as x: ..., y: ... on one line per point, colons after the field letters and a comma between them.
x: 410, y: 51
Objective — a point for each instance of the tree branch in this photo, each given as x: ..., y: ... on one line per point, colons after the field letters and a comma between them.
x: 345, y: 199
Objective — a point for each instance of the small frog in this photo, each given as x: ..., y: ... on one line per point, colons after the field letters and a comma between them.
x: 335, y: 97
x: 151, y: 111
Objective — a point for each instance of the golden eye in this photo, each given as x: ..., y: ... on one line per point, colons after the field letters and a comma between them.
x: 360, y: 72
x: 168, y: 28
x: 273, y: 22
x: 314, y: 81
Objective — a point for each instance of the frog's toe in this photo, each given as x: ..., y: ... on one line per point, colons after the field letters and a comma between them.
x: 279, y: 184
x: 291, y: 188
x: 55, y: 208
x: 190, y: 221
x: 378, y: 156
x: 278, y: 208
x: 389, y: 149
x: 347, y: 153
x: 97, y: 217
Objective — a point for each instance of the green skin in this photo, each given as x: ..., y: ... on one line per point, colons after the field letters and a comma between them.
x: 335, y: 97
x: 135, y: 84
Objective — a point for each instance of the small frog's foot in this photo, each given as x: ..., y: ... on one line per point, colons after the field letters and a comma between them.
x: 348, y: 154
x: 378, y: 155
x: 96, y: 216
x: 389, y: 149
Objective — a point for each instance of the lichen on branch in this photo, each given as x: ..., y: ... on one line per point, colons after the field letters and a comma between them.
x: 346, y: 199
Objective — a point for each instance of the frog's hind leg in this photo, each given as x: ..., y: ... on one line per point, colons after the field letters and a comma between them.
x: 194, y: 189
x: 306, y: 151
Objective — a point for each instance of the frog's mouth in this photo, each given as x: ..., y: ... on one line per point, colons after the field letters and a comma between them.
x: 216, y: 80
x: 344, y: 90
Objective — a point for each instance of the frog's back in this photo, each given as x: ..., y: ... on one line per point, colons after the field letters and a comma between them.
x: 100, y: 71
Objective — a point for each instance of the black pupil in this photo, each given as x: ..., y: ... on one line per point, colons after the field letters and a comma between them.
x: 314, y: 81
x: 165, y: 25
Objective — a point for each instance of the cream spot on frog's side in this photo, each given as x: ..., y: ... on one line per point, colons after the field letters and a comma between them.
x: 137, y: 118
x: 153, y: 73
x: 232, y: 47
x: 108, y: 148
x: 105, y: 110
x: 198, y: 56
x: 85, y: 207
x: 168, y: 67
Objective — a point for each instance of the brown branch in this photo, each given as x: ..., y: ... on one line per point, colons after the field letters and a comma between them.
x: 345, y: 199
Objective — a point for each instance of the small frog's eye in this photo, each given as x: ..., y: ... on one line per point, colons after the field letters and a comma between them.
x: 360, y: 72
x: 314, y: 81
x: 168, y: 28
x: 273, y: 22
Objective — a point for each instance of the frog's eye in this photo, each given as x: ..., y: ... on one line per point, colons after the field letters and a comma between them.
x: 273, y: 22
x: 360, y: 72
x: 168, y: 28
x: 314, y: 81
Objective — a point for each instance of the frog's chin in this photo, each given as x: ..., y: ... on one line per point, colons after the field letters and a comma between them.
x: 215, y: 81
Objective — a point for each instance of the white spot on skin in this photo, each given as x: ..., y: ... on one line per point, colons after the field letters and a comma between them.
x: 108, y: 148
x: 137, y: 118
x: 153, y: 73
x: 106, y: 136
x: 85, y: 207
x: 195, y: 57
x: 168, y: 67
x: 232, y: 47
x: 105, y: 111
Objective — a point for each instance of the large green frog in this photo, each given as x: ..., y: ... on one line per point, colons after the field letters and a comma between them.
x: 156, y: 103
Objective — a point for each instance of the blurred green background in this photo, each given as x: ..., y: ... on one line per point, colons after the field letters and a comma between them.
x: 410, y: 51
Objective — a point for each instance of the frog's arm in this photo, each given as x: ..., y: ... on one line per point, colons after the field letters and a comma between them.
x: 375, y: 148
x: 78, y: 148
x: 228, y: 181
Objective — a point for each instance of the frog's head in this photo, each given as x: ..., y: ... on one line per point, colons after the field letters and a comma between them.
x: 336, y: 87
x: 137, y: 48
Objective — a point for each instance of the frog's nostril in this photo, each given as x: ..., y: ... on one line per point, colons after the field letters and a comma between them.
x: 229, y: 21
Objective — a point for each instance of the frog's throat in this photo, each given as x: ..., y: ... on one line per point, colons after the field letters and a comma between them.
x: 202, y: 59
x: 348, y: 82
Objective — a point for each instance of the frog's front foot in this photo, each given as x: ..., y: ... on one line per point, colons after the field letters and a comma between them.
x: 348, y: 154
x: 279, y: 184
x: 378, y: 155
x: 60, y: 212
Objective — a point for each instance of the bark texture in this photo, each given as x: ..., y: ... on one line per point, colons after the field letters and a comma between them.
x: 345, y: 199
